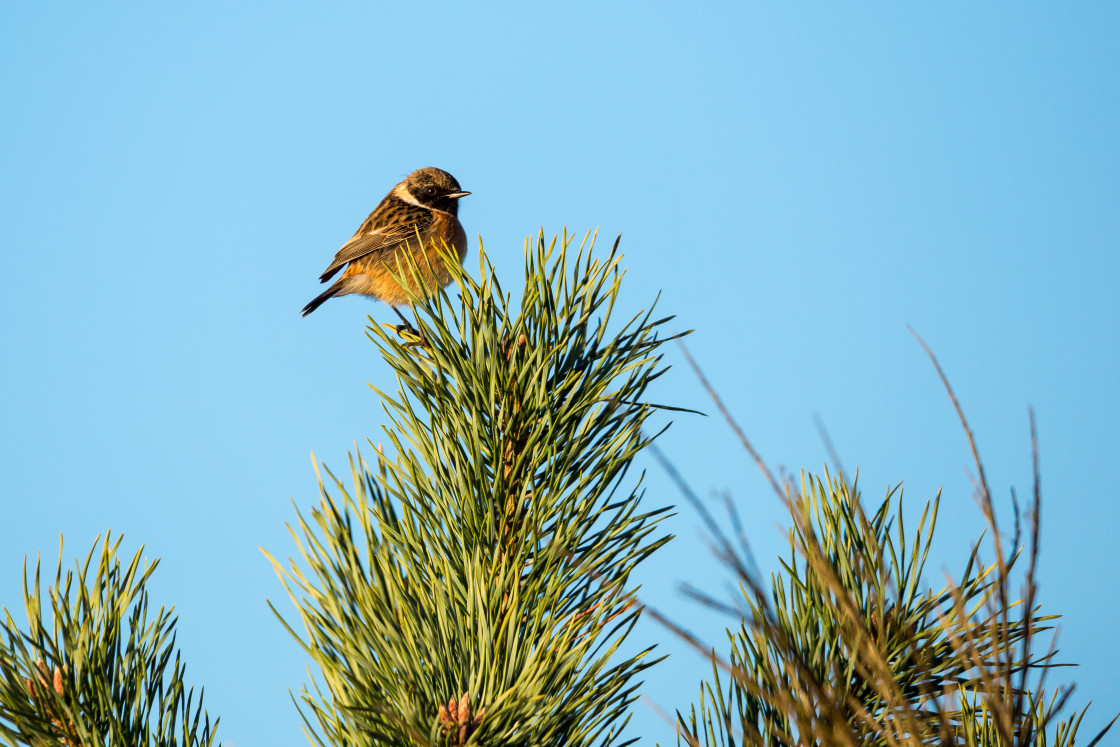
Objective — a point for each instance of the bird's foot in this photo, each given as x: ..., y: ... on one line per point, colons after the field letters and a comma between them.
x: 407, y: 327
x: 420, y: 342
x: 408, y: 330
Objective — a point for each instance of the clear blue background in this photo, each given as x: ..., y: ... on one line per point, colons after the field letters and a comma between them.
x: 801, y: 181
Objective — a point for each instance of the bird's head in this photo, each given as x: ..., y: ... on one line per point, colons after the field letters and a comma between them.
x: 434, y: 188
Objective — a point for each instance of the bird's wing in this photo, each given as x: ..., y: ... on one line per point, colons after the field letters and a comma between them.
x: 398, y: 227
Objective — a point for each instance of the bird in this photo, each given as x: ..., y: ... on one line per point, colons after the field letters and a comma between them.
x: 416, y: 218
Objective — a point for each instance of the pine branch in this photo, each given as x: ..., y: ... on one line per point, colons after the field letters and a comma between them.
x: 93, y: 669
x: 847, y: 648
x: 471, y: 584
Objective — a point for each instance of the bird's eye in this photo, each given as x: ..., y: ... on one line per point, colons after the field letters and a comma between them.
x: 431, y: 190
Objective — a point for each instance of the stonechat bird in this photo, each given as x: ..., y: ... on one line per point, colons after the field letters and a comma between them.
x: 424, y: 205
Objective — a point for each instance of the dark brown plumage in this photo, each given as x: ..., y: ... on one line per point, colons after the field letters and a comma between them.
x: 426, y: 203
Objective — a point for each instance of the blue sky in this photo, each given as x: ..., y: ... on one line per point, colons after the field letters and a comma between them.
x: 799, y: 182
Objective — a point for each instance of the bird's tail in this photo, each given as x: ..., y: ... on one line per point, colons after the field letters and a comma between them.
x: 320, y: 299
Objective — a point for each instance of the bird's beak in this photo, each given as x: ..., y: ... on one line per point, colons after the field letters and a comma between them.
x: 457, y: 195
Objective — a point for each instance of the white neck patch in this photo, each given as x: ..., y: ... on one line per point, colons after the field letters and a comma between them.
x: 402, y: 192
